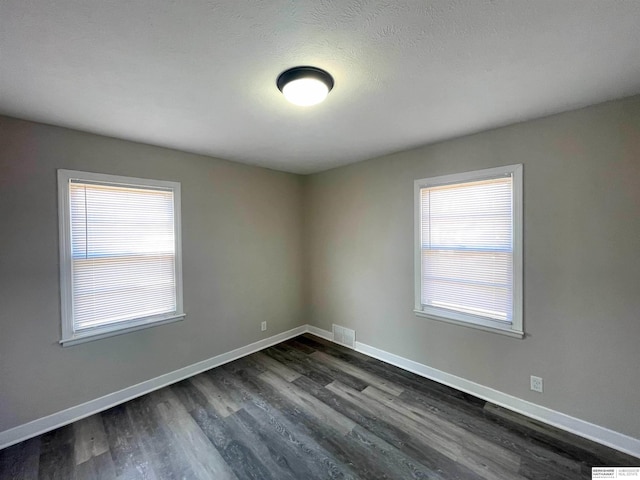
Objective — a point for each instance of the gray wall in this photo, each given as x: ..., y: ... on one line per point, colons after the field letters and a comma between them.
x: 242, y: 260
x: 582, y: 261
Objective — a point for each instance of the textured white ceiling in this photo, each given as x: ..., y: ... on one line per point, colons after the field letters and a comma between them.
x: 199, y: 75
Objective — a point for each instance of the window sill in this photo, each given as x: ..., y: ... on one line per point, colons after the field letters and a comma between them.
x: 111, y: 331
x: 487, y: 328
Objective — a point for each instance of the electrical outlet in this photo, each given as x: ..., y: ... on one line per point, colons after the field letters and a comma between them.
x: 536, y: 384
x: 263, y: 327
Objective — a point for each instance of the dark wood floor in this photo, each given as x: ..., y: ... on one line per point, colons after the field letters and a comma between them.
x: 306, y: 409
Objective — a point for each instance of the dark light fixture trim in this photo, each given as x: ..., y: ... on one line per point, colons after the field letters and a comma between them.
x: 297, y: 73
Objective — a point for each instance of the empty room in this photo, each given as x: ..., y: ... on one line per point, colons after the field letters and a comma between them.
x: 355, y: 239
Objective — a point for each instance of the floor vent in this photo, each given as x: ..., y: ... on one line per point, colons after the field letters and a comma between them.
x: 344, y: 336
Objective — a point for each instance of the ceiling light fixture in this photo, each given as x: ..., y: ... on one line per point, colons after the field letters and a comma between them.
x: 305, y: 86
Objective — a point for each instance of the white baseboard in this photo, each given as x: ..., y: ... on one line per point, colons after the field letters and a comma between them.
x: 64, y: 417
x: 596, y: 433
x: 602, y: 435
x: 319, y: 332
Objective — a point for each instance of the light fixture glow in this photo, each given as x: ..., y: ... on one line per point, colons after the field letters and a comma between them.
x: 305, y: 91
x: 305, y: 86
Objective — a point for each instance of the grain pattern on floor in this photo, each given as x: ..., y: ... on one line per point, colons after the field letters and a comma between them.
x: 306, y: 409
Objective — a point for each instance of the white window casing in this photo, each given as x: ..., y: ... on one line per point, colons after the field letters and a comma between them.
x: 468, y: 249
x: 120, y: 254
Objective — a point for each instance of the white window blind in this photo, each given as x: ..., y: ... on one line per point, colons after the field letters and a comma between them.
x: 122, y: 256
x: 468, y: 254
x: 467, y: 248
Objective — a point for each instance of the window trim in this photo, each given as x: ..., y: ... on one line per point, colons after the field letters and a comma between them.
x: 513, y: 329
x: 68, y: 334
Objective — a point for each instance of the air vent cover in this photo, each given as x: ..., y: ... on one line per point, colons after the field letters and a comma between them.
x: 344, y: 336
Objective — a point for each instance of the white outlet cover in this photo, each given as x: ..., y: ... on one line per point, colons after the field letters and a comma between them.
x: 536, y: 384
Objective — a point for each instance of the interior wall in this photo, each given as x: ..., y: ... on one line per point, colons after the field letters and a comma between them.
x: 581, y: 261
x: 242, y: 261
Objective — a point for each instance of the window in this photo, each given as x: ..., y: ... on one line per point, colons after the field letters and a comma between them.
x: 120, y: 263
x: 468, y: 253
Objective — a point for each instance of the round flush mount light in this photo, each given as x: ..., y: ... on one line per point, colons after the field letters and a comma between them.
x: 305, y: 86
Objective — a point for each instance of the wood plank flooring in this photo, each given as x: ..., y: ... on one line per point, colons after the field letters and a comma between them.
x: 306, y: 409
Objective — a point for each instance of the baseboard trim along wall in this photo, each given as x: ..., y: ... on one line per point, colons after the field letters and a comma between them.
x: 70, y: 415
x: 604, y: 436
x: 582, y: 428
